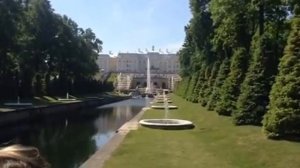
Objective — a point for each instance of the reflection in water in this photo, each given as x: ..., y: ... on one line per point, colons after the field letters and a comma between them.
x: 68, y: 142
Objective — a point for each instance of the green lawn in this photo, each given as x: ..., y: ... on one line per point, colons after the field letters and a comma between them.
x: 213, y: 143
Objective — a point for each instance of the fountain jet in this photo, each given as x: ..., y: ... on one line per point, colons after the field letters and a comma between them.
x: 148, y: 88
x: 166, y: 123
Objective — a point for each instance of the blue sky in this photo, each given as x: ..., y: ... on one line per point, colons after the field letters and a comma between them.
x: 127, y: 25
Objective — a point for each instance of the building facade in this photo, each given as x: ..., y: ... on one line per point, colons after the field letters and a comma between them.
x: 132, y: 68
x: 137, y: 62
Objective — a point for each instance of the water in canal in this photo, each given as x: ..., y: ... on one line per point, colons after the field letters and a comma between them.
x: 67, y: 142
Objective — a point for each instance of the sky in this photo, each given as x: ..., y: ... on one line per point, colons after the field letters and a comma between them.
x: 129, y: 25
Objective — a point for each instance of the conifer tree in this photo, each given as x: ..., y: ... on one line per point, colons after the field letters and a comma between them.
x: 283, y: 116
x: 201, y: 30
x: 195, y: 93
x: 186, y: 53
x: 203, y: 94
x: 232, y: 37
x: 211, y: 81
x: 231, y: 87
x: 265, y: 51
x: 182, y: 87
x: 191, y: 87
x: 253, y: 99
x: 221, y: 76
x: 199, y: 84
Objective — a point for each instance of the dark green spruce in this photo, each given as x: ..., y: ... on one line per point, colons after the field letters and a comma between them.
x: 216, y: 90
x: 283, y: 116
x: 231, y: 88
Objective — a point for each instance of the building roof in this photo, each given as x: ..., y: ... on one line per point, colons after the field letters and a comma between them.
x: 104, y: 55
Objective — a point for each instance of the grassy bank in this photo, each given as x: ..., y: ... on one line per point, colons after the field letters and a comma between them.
x: 213, y: 143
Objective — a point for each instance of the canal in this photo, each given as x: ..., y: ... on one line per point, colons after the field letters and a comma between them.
x: 66, y: 142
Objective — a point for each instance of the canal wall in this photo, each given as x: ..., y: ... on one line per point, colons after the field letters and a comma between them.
x: 66, y: 109
x: 99, y: 157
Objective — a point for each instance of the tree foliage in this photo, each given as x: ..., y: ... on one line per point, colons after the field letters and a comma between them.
x: 283, y: 116
x: 43, y: 52
x: 10, y: 16
x: 216, y: 90
x: 266, y: 47
x: 230, y: 90
x: 236, y: 56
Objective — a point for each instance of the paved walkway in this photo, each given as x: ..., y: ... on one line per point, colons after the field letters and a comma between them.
x: 98, y: 159
x: 6, y: 109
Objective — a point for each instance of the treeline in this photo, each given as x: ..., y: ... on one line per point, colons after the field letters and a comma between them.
x: 241, y: 58
x: 44, y: 53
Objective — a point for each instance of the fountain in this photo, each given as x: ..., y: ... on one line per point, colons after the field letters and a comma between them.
x: 163, y: 107
x: 148, y: 90
x: 18, y: 103
x: 166, y: 123
x: 67, y: 98
x: 164, y: 99
x: 160, y: 99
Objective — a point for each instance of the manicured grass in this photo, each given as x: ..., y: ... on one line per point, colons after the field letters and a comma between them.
x: 213, y: 143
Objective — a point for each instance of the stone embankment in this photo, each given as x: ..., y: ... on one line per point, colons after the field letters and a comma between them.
x: 36, y: 112
x: 98, y: 159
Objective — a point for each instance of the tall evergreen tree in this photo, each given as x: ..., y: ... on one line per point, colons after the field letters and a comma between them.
x: 232, y: 37
x: 195, y: 93
x: 230, y: 90
x: 182, y: 87
x: 221, y: 76
x: 191, y: 87
x: 211, y: 82
x: 254, y: 91
x: 231, y: 27
x: 199, y: 84
x: 196, y: 50
x: 186, y: 53
x: 266, y: 50
x: 201, y: 28
x: 204, y: 90
x: 283, y: 116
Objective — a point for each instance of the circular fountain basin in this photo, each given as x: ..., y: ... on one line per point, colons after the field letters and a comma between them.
x: 18, y: 104
x: 175, y: 124
x: 163, y: 107
x: 63, y: 99
x: 162, y: 98
x: 161, y: 101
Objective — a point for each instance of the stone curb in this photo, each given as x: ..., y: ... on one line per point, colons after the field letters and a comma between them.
x: 98, y: 159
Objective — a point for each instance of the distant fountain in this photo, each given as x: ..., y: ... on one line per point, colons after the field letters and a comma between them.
x: 166, y: 103
x: 18, y: 103
x: 166, y: 123
x: 163, y: 99
x: 148, y: 88
x: 67, y: 98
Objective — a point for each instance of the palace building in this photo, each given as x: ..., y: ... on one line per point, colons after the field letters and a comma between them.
x: 132, y: 67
